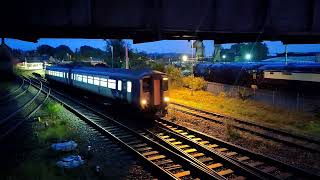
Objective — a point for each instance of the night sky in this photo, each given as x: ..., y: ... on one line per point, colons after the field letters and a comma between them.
x: 165, y: 46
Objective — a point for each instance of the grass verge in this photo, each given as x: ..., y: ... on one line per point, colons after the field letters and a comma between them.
x: 51, y: 126
x: 21, y: 72
x: 248, y: 109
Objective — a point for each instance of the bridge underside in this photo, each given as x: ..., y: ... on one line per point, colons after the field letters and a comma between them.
x: 291, y: 21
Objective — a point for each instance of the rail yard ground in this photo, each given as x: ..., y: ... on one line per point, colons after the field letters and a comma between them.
x: 35, y: 160
x: 308, y: 123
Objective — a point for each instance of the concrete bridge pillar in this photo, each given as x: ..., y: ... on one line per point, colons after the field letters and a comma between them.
x: 6, y: 64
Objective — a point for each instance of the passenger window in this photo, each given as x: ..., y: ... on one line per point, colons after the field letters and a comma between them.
x: 85, y: 79
x: 90, y: 79
x: 165, y: 84
x: 79, y: 77
x: 129, y: 86
x: 146, y: 84
x: 96, y: 81
x: 104, y: 82
x: 119, y: 85
x: 111, y: 83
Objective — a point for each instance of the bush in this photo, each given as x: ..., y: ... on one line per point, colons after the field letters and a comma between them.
x: 174, y: 75
x: 157, y: 66
x: 53, y: 108
x: 194, y: 83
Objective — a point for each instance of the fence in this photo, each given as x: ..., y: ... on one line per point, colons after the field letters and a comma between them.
x: 289, y: 100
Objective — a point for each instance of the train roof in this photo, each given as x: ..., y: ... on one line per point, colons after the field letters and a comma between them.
x: 293, y: 67
x: 118, y: 72
x: 230, y: 65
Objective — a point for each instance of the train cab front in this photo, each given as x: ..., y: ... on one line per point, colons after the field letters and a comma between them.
x: 154, y: 99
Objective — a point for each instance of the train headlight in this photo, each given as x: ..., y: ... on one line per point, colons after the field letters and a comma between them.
x: 143, y: 102
x: 166, y: 99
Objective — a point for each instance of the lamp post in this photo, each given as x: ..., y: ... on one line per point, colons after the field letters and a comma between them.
x: 111, y: 56
x: 248, y: 56
x: 184, y: 58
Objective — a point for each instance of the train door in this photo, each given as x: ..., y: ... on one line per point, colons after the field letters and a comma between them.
x: 152, y: 90
x: 156, y: 92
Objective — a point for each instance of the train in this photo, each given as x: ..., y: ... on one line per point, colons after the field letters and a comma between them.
x: 143, y: 90
x: 266, y: 75
x: 291, y: 76
x: 243, y: 74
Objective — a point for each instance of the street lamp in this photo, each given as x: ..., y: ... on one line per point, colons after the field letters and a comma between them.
x: 224, y: 56
x: 248, y: 56
x: 184, y: 58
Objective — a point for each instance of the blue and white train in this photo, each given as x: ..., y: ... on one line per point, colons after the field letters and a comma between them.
x: 143, y: 89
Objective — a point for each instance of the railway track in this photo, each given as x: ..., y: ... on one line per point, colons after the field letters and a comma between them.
x: 160, y: 159
x: 265, y: 131
x: 213, y: 155
x: 5, y: 96
x: 12, y: 120
x: 269, y: 167
x: 204, y: 156
x: 229, y: 169
x: 23, y: 89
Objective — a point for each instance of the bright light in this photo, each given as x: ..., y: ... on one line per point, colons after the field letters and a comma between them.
x: 166, y: 99
x: 224, y: 56
x: 184, y: 58
x: 143, y: 102
x: 248, y: 56
x: 165, y: 79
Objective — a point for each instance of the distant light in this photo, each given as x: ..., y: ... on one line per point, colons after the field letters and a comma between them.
x: 166, y: 99
x: 143, y: 102
x: 224, y: 56
x: 184, y: 58
x: 248, y: 56
x: 165, y: 79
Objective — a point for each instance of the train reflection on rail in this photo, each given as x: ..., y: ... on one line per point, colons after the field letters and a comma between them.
x: 143, y: 90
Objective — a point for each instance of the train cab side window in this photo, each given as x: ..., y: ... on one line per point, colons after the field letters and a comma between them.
x: 103, y: 82
x: 119, y: 85
x: 90, y: 79
x: 129, y: 86
x: 146, y: 84
x: 111, y: 83
x: 165, y: 84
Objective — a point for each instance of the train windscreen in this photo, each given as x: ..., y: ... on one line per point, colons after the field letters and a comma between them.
x: 146, y: 84
x: 165, y: 84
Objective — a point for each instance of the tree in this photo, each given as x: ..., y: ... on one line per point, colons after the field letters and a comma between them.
x: 46, y: 50
x: 138, y: 60
x: 237, y: 52
x: 258, y: 50
x: 87, y: 52
x: 119, y: 52
x: 174, y: 75
x: 62, y: 52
